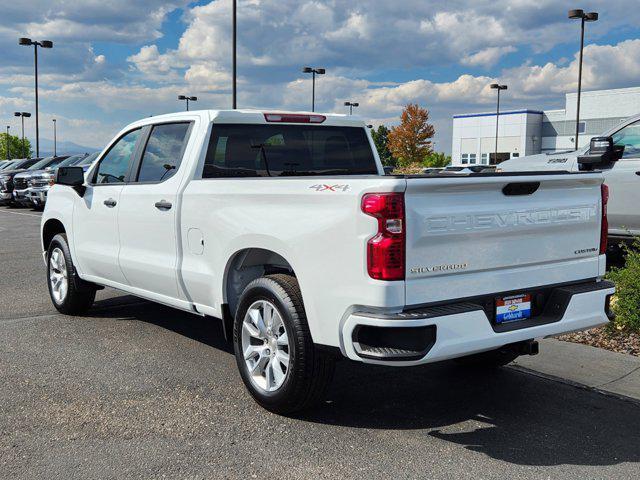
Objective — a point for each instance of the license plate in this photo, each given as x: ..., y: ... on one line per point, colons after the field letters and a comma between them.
x: 513, y: 308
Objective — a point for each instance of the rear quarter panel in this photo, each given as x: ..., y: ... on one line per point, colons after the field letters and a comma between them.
x: 320, y: 231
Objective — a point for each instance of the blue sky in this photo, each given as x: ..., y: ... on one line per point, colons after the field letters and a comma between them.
x: 115, y: 61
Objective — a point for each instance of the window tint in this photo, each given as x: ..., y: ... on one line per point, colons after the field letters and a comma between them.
x: 163, y: 153
x: 115, y: 164
x: 73, y: 160
x: 287, y: 150
x: 42, y: 163
x: 629, y: 136
x: 24, y: 164
x: 88, y: 160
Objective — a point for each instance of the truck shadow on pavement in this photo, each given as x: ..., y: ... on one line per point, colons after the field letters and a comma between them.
x: 505, y: 414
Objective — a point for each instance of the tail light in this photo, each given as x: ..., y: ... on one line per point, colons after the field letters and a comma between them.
x: 293, y: 118
x: 386, y: 250
x: 604, y: 224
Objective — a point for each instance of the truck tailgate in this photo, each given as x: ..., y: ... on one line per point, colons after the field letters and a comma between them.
x: 467, y: 237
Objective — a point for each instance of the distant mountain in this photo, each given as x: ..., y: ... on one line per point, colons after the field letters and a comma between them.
x: 62, y: 148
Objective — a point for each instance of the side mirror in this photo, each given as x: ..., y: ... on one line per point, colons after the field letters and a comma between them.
x: 72, y: 177
x: 602, y: 154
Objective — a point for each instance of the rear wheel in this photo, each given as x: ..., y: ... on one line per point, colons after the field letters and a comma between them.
x: 63, y: 287
x: 278, y: 362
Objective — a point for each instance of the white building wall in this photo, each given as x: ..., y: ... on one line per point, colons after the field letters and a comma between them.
x: 474, y: 134
x: 600, y: 110
x: 550, y: 130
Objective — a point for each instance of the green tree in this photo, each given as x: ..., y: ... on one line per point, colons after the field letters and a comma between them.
x: 410, y: 141
x: 381, y: 139
x: 436, y: 160
x: 17, y: 149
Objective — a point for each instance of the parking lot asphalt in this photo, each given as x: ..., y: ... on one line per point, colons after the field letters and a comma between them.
x: 137, y: 390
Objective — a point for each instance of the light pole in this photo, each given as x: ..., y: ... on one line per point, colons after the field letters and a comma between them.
x: 8, y: 157
x: 44, y: 44
x: 184, y: 97
x: 22, y: 115
x: 234, y: 54
x: 351, y: 105
x: 313, y: 71
x: 497, y: 86
x: 55, y: 138
x: 583, y: 17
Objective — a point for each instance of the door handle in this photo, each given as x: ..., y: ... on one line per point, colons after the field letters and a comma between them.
x: 637, y: 173
x: 110, y: 202
x: 163, y: 205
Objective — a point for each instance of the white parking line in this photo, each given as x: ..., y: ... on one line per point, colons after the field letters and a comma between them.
x: 22, y: 213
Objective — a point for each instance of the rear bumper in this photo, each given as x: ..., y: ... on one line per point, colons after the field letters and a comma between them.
x: 461, y: 329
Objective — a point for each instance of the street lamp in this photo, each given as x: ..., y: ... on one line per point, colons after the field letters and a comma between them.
x: 497, y: 86
x: 8, y: 157
x: 313, y: 71
x: 583, y: 17
x: 351, y: 105
x: 22, y: 115
x: 184, y: 97
x: 55, y: 138
x: 234, y: 54
x: 44, y: 44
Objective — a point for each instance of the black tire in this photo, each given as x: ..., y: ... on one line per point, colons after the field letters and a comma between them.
x: 309, y: 371
x: 79, y: 295
x: 491, y: 359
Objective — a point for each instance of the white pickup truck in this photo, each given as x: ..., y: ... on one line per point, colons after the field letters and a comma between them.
x: 621, y: 176
x: 284, y: 226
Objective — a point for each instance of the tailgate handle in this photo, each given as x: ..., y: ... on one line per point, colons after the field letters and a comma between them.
x: 522, y: 188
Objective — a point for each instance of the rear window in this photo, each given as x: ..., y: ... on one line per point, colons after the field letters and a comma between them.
x: 287, y: 151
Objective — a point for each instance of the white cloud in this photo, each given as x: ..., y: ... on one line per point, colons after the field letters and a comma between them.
x: 363, y: 44
x: 487, y: 57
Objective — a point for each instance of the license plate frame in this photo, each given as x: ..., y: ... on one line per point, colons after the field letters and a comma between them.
x: 513, y: 308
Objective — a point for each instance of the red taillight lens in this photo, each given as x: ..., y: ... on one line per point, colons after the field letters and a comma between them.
x: 604, y: 225
x: 386, y: 250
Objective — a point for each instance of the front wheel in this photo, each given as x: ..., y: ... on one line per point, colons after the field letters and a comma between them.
x: 64, y: 292
x: 278, y: 362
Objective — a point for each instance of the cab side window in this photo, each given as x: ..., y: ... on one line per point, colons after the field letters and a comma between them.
x: 629, y: 137
x: 114, y: 165
x: 163, y: 153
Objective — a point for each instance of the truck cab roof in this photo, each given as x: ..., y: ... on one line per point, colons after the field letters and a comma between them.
x: 266, y: 116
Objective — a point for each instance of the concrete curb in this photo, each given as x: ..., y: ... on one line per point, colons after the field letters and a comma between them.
x: 585, y: 366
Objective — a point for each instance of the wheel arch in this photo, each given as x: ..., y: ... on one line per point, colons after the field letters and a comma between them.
x: 246, y: 265
x: 50, y: 229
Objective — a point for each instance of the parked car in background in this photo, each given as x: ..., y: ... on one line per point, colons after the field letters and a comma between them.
x: 3, y: 163
x: 622, y: 176
x: 40, y: 181
x: 7, y: 174
x: 284, y: 226
x: 8, y: 164
x: 20, y: 180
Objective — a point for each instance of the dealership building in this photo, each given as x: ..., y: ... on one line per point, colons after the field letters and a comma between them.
x: 527, y: 132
